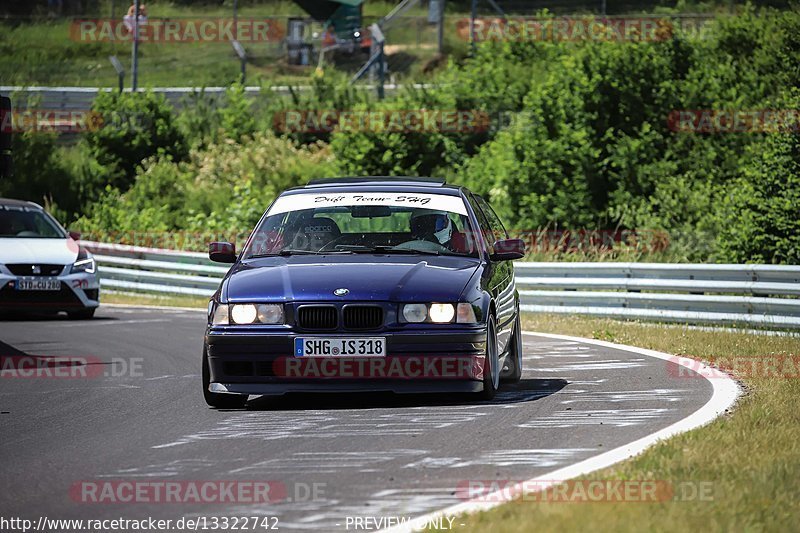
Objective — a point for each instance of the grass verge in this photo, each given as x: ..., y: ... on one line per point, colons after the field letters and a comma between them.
x: 749, y: 460
x: 131, y: 298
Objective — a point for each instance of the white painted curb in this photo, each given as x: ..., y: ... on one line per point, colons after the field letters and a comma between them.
x: 725, y: 392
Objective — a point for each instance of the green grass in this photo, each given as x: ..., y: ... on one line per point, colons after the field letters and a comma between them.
x: 751, y: 457
x: 41, y: 52
x: 130, y: 298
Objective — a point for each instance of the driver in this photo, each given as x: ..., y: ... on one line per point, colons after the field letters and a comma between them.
x: 316, y: 233
x: 432, y: 226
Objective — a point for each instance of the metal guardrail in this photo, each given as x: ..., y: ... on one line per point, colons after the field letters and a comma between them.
x: 755, y: 295
x: 140, y: 269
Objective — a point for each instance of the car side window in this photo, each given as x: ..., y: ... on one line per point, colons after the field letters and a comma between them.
x: 495, y: 224
x: 485, y: 226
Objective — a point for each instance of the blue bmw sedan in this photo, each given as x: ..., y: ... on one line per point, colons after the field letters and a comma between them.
x: 366, y: 284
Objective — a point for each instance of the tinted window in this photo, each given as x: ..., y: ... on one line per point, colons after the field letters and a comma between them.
x: 486, y: 227
x: 495, y: 224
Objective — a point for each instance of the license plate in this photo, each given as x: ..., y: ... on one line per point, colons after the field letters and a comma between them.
x: 38, y: 285
x: 339, y: 347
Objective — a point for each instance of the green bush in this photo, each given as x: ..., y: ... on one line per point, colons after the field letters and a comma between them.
x: 580, y: 138
x: 39, y: 174
x: 224, y: 188
x: 135, y: 126
x: 762, y: 210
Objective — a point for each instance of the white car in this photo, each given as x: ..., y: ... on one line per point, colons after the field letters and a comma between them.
x: 42, y: 267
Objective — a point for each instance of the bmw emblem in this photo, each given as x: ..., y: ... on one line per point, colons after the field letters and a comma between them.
x: 341, y: 292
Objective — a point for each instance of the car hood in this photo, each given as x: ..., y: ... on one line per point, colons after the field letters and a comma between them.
x: 378, y: 278
x: 44, y: 251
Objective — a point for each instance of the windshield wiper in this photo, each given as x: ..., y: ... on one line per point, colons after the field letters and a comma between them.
x: 288, y: 252
x: 360, y: 248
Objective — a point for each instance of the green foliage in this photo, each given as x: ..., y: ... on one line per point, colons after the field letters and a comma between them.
x: 224, y: 188
x: 762, y: 211
x: 39, y: 175
x: 236, y: 117
x: 134, y: 126
x: 579, y: 136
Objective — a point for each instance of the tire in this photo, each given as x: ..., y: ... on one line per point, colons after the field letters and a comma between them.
x: 215, y: 399
x: 514, y: 359
x: 83, y: 314
x: 491, y: 372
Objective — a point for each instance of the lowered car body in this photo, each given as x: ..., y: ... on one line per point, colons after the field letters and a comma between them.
x: 370, y: 284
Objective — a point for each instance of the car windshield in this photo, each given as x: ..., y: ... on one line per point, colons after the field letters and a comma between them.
x: 368, y: 223
x: 27, y: 223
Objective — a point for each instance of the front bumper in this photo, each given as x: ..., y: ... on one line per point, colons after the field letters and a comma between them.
x: 262, y: 363
x: 77, y: 292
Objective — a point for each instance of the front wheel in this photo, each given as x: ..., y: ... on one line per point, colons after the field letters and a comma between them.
x: 491, y: 370
x: 215, y: 399
x: 514, y: 359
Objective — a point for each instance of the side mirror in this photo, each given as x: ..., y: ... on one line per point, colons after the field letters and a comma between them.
x: 508, y: 250
x: 222, y: 252
x: 74, y: 235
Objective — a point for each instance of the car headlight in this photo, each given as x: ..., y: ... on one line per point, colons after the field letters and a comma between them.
x: 87, y: 265
x: 466, y: 314
x: 243, y: 314
x: 270, y: 313
x: 439, y: 313
x: 415, y: 312
x: 221, y: 317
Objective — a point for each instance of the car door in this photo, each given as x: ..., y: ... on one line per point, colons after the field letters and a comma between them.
x: 504, y: 288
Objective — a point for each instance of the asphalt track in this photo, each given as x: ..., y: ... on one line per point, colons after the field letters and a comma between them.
x: 138, y: 415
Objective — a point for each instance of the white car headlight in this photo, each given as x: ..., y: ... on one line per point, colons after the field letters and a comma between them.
x: 442, y: 313
x: 242, y: 314
x: 415, y: 312
x: 88, y: 266
x: 439, y: 313
x: 270, y: 313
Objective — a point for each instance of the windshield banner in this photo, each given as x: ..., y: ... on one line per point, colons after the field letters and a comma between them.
x: 435, y: 202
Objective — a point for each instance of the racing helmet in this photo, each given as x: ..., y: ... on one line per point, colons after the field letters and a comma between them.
x: 434, y: 226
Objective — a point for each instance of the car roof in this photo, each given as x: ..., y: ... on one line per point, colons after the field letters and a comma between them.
x: 19, y: 203
x: 379, y: 183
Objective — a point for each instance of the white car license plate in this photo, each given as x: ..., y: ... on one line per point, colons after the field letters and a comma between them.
x: 339, y: 347
x: 38, y: 285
